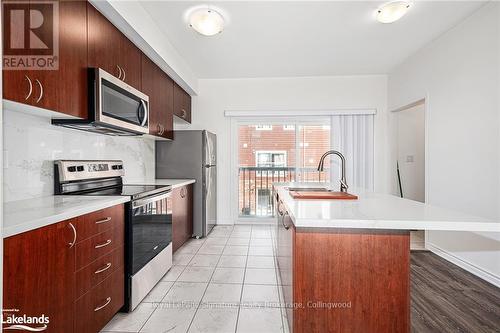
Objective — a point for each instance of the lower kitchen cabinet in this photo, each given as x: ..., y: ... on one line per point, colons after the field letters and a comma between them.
x: 71, y: 272
x: 284, y: 255
x: 182, y: 215
x: 328, y: 279
x: 39, y: 277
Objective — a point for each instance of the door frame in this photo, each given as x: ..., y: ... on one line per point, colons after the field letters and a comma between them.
x: 426, y: 106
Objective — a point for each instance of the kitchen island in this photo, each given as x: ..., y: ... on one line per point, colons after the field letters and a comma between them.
x: 345, y: 264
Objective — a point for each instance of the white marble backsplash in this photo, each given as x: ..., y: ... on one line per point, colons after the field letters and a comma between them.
x: 31, y: 144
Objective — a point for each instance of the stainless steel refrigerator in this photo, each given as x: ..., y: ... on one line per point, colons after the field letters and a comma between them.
x: 193, y: 154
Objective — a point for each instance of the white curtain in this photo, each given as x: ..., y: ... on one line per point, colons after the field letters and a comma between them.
x: 352, y: 135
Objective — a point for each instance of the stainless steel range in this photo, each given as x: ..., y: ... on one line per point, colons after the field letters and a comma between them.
x: 148, y: 234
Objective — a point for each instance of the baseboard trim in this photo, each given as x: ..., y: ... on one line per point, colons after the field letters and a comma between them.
x: 471, y: 268
x: 225, y: 222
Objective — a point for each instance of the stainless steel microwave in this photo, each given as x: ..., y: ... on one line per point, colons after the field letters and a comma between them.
x: 115, y: 108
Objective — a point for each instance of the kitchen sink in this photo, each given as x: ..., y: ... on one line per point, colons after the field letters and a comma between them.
x: 323, y: 193
x: 310, y: 189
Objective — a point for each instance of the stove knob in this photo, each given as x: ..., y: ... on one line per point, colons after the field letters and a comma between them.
x: 80, y: 168
x: 72, y: 168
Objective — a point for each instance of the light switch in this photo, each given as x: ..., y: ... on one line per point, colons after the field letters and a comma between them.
x: 409, y: 159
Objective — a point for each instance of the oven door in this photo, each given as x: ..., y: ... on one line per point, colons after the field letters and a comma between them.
x: 151, y: 229
x: 120, y: 105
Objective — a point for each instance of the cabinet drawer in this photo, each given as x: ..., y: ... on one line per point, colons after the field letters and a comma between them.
x: 98, y: 245
x: 93, y: 274
x: 99, y: 221
x: 96, y: 308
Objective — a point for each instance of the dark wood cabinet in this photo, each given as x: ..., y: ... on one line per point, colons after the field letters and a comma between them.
x: 89, y: 39
x: 343, y: 280
x: 70, y: 271
x: 182, y: 215
x: 182, y: 103
x: 112, y: 51
x: 39, y: 277
x: 284, y: 255
x: 65, y: 88
x: 160, y: 89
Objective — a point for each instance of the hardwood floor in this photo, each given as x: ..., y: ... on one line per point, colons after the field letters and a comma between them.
x: 446, y: 298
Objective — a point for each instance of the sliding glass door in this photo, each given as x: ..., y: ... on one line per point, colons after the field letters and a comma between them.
x: 276, y: 151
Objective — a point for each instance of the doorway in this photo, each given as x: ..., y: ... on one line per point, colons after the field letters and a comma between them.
x: 410, y: 159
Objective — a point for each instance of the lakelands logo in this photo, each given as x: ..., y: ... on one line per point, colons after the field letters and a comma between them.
x: 30, y: 35
x: 24, y: 323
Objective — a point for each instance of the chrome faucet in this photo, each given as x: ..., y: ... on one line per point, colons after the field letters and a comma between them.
x: 343, y: 182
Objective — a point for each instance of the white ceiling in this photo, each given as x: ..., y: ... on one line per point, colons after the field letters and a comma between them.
x: 304, y: 38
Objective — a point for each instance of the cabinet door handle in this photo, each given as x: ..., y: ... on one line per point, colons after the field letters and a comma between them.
x: 108, y: 300
x: 98, y: 246
x: 283, y: 221
x: 107, y: 219
x: 41, y: 90
x: 183, y: 193
x: 30, y: 87
x: 124, y: 74
x: 184, y: 113
x: 71, y: 244
x: 105, y: 268
x: 119, y: 72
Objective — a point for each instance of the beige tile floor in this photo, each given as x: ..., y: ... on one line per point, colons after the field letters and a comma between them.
x: 227, y: 282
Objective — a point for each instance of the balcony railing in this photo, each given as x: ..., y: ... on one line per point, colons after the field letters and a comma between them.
x: 255, y: 187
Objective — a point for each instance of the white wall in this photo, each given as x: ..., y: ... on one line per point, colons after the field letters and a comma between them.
x: 458, y: 74
x: 216, y: 96
x: 31, y: 144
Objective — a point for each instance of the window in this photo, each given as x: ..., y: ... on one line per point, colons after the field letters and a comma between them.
x: 288, y: 151
x: 275, y: 159
x: 264, y: 127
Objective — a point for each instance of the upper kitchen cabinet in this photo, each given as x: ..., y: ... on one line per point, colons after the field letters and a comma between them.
x: 160, y: 89
x: 64, y: 88
x: 110, y: 50
x: 182, y: 103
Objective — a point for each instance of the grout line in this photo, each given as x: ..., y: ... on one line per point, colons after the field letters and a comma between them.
x: 205, y: 291
x: 173, y: 283
x: 243, y: 284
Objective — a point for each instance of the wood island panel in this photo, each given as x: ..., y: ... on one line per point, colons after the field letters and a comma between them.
x: 367, y: 270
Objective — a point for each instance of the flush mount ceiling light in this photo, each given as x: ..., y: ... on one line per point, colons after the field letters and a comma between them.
x: 206, y: 21
x: 392, y: 11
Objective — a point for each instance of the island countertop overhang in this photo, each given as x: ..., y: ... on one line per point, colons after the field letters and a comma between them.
x: 376, y: 211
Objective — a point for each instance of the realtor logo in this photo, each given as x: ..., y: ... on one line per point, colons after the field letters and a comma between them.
x: 30, y: 35
x: 11, y: 320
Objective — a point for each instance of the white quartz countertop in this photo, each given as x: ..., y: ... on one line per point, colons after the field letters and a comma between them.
x: 376, y: 211
x: 25, y: 215
x: 172, y: 182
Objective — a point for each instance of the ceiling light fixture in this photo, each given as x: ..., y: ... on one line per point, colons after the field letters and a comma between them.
x: 392, y: 11
x: 206, y: 21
